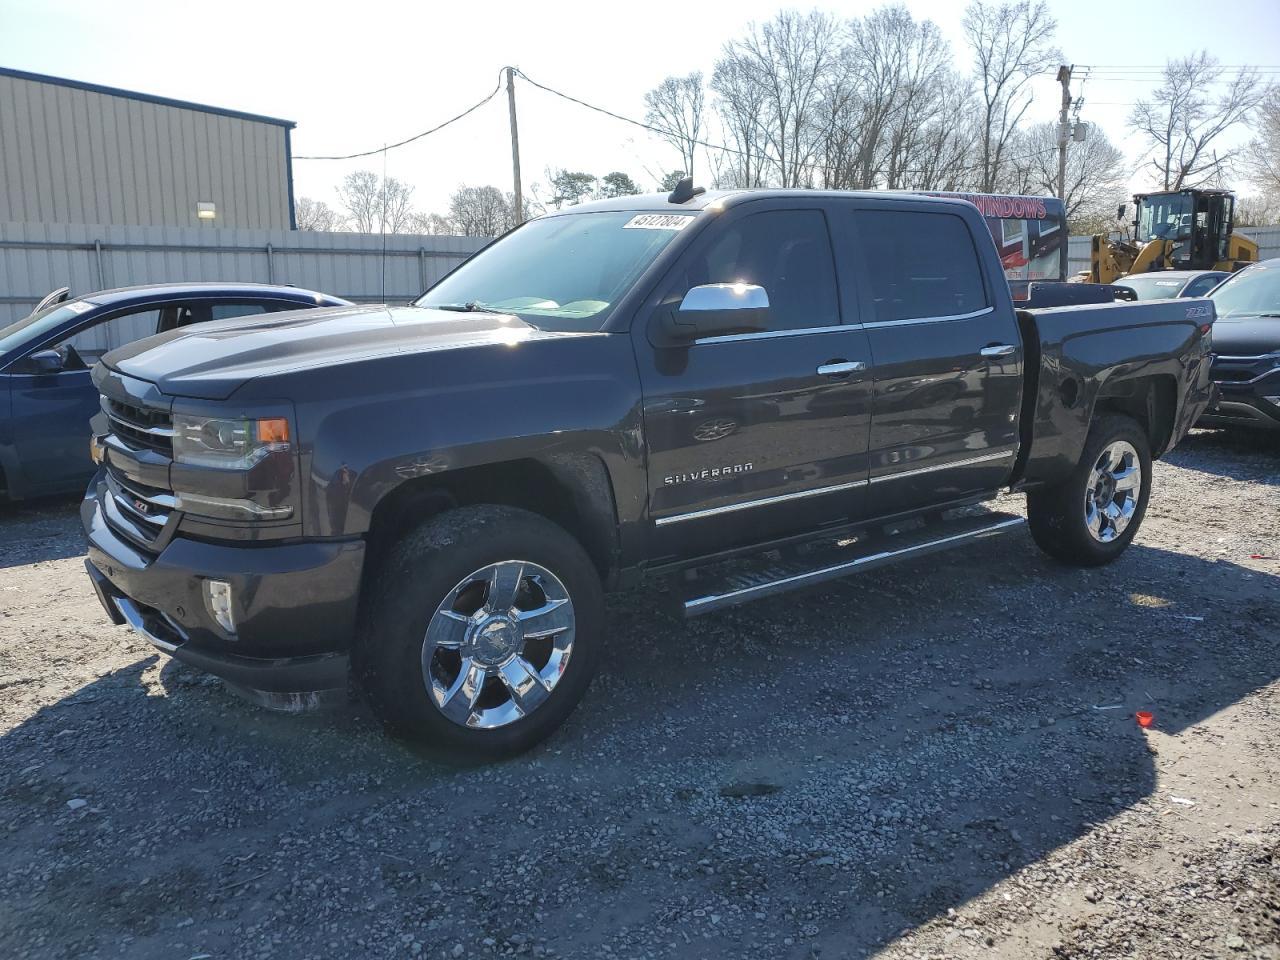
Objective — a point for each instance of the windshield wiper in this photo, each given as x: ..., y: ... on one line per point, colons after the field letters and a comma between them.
x: 471, y: 306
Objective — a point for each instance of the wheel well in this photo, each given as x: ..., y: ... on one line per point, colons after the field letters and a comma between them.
x: 1152, y: 401
x: 572, y: 492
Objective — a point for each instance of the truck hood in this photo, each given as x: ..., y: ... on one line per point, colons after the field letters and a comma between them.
x: 1246, y: 336
x: 211, y: 360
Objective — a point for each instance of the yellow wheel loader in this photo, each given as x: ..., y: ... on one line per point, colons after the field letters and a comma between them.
x: 1180, y: 230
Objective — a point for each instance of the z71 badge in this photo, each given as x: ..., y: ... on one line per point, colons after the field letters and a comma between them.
x: 708, y: 473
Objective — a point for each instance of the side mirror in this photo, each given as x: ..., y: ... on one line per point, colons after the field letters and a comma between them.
x: 715, y: 310
x: 1120, y: 211
x: 46, y: 361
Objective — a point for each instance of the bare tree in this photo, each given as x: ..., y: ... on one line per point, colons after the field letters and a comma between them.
x: 1263, y: 154
x: 362, y: 200
x: 1181, y: 121
x: 373, y: 205
x: 480, y: 212
x: 1259, y: 210
x: 676, y: 106
x: 782, y: 65
x: 1011, y: 42
x: 431, y: 224
x: 397, y: 205
x: 891, y: 84
x: 739, y: 104
x: 311, y: 214
x: 1097, y: 174
x: 944, y: 150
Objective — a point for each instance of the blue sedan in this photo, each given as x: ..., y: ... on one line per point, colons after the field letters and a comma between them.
x: 46, y: 396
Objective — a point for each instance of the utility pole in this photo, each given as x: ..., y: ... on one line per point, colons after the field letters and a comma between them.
x: 1064, y: 130
x: 515, y: 145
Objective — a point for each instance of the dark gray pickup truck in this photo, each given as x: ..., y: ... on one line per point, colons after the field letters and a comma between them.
x: 742, y: 393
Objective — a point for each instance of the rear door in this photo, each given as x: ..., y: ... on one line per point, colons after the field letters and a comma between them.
x: 947, y: 351
x: 763, y: 434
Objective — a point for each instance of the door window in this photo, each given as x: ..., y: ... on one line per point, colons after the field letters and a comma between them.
x: 84, y: 348
x: 788, y: 252
x: 225, y: 311
x: 920, y: 265
x: 1202, y: 285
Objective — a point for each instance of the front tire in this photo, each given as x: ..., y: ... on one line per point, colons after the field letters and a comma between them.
x: 481, y: 633
x: 1092, y: 516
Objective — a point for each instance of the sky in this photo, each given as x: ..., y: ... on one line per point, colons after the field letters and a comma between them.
x: 355, y: 76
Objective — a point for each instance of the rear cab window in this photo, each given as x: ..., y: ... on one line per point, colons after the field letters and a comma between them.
x: 919, y: 265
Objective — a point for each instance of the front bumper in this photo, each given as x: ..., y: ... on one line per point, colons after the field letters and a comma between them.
x: 1252, y: 412
x: 294, y: 604
x: 1244, y: 384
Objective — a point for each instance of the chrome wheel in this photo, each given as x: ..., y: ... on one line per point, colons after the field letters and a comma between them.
x: 1111, y: 497
x: 498, y: 644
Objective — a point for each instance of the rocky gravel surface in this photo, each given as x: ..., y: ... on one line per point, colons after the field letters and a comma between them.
x: 934, y: 760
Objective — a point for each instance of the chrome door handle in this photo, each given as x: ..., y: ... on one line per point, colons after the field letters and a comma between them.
x: 999, y: 350
x: 841, y: 368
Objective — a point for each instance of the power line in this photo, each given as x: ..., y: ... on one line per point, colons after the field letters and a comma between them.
x: 417, y: 136
x: 627, y: 119
x: 734, y: 150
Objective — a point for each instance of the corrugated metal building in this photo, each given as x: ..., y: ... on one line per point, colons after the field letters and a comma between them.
x: 74, y: 152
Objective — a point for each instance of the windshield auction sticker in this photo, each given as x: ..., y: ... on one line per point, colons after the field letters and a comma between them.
x: 659, y: 221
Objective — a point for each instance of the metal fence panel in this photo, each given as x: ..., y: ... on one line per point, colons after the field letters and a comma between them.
x: 36, y: 258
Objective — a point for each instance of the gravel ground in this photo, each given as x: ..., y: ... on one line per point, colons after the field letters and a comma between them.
x: 908, y: 764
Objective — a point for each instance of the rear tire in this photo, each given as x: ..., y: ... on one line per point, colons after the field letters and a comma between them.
x: 1092, y: 516
x: 481, y: 633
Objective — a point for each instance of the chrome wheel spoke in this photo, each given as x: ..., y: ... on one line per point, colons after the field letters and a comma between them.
x: 552, y: 618
x: 460, y: 699
x: 447, y: 630
x: 504, y: 584
x: 1129, y: 478
x: 523, y: 683
x: 1093, y: 516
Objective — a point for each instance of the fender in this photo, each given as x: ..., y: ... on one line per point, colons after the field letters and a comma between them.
x: 561, y: 402
x: 1092, y: 355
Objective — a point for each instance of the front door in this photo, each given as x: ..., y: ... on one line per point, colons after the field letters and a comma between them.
x: 948, y: 354
x: 763, y: 434
x: 51, y: 410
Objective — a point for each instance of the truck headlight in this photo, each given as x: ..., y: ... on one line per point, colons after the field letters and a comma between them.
x: 233, y: 444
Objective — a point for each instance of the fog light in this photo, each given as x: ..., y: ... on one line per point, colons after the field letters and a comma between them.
x: 1275, y: 400
x: 218, y: 595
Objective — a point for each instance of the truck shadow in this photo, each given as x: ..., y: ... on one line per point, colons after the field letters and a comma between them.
x: 816, y: 772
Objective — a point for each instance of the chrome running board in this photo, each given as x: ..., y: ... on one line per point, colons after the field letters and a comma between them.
x: 734, y: 582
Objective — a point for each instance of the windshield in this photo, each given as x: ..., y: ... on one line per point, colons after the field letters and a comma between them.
x: 1152, y: 287
x: 1164, y: 216
x: 33, y: 327
x: 1250, y: 292
x: 560, y: 273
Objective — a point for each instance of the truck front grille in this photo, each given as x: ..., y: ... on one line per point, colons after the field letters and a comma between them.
x: 137, y: 511
x: 143, y: 505
x: 140, y: 427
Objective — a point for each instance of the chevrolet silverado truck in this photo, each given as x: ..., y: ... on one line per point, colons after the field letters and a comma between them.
x: 734, y: 393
